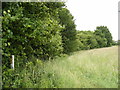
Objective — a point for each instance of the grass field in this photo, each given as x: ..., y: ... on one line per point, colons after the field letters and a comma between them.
x: 97, y: 68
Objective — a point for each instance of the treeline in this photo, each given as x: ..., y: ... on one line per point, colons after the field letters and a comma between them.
x: 99, y: 38
x: 44, y: 30
x: 41, y: 29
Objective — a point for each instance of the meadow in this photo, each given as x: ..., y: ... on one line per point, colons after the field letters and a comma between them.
x: 96, y: 68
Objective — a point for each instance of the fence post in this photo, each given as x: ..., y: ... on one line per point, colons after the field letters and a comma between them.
x: 12, y: 64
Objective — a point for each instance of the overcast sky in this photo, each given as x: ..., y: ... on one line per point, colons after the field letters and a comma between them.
x: 91, y: 13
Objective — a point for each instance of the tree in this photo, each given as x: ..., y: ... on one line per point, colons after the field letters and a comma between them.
x: 69, y: 32
x: 87, y: 40
x: 105, y: 35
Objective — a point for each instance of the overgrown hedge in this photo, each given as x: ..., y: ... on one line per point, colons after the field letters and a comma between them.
x: 30, y: 29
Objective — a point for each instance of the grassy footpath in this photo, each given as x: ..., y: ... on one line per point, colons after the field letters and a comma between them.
x: 97, y: 68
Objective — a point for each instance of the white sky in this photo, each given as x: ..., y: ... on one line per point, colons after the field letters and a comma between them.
x: 91, y: 13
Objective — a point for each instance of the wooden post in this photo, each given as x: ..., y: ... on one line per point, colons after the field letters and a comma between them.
x: 12, y: 63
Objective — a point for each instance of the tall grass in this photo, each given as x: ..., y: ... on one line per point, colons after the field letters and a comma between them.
x: 97, y: 68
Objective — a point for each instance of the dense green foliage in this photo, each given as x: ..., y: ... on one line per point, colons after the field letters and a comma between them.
x: 105, y: 38
x: 86, y: 40
x: 99, y: 38
x: 42, y: 31
x: 69, y: 32
x: 30, y: 31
